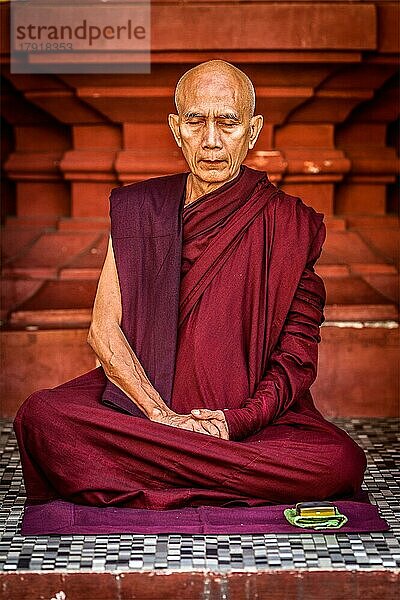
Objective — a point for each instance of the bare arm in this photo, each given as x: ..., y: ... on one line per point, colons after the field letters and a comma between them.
x: 120, y: 363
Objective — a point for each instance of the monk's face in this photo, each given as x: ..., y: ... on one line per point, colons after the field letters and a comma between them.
x: 214, y: 127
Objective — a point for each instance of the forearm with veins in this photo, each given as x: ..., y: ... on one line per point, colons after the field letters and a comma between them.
x: 124, y: 369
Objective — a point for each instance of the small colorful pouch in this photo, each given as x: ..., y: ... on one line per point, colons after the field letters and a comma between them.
x: 315, y: 515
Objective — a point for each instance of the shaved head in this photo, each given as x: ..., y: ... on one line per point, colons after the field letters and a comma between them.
x: 219, y: 70
x: 215, y: 126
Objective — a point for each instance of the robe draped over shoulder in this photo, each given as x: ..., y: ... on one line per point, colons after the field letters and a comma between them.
x: 238, y: 329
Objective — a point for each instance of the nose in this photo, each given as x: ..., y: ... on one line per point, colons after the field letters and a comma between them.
x: 211, y: 137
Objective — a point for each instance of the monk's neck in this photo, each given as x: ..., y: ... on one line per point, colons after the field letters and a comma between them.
x: 196, y: 188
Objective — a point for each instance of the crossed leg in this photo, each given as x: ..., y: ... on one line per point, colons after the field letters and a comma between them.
x: 75, y: 448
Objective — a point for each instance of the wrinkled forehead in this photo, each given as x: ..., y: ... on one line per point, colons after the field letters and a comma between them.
x: 210, y: 94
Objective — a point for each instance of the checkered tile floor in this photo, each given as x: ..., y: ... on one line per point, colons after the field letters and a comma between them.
x: 379, y: 437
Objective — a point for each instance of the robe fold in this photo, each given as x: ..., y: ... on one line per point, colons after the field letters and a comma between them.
x: 222, y: 306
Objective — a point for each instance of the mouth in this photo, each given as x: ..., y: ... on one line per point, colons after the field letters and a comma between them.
x: 210, y: 162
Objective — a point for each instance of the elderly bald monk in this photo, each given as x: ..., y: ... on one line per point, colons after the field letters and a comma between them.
x: 206, y: 323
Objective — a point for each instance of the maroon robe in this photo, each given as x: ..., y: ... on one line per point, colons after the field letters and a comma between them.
x: 245, y: 340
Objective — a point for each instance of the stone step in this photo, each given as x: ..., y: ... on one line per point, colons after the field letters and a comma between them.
x: 68, y: 301
x: 51, y: 251
x: 272, y: 583
x: 57, y: 303
x: 50, y: 275
x: 357, y: 373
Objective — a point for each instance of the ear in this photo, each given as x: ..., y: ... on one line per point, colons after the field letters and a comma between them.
x: 173, y: 122
x: 256, y: 124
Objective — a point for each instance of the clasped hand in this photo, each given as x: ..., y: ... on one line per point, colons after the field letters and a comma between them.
x: 202, y: 420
